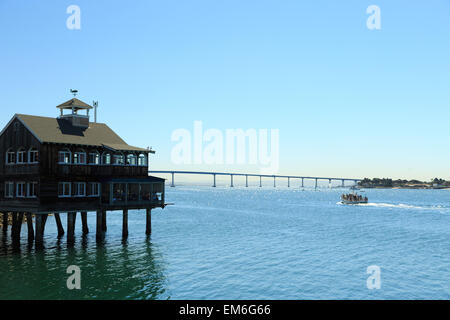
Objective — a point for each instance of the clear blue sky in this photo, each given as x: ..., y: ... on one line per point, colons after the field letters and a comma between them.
x: 347, y: 101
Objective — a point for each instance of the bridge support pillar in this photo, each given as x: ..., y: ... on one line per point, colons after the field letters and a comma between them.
x: 125, y: 224
x: 303, y: 182
x: 173, y: 180
x: 289, y: 182
x: 315, y: 187
x: 214, y: 184
x: 30, y: 227
x: 59, y: 225
x: 246, y: 181
x: 84, y: 222
x: 329, y: 183
x: 148, y: 225
x: 274, y: 182
x: 71, y: 218
x: 231, y: 181
x: 260, y: 181
x: 343, y: 183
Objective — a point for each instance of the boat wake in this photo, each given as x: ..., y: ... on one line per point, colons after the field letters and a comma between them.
x: 400, y: 205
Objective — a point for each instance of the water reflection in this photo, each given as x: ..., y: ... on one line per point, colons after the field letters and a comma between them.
x: 112, y: 268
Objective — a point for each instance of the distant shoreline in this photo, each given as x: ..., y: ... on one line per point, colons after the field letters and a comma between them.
x: 387, y: 183
x: 404, y: 187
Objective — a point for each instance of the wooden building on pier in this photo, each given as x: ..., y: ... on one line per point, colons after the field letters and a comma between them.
x: 69, y: 164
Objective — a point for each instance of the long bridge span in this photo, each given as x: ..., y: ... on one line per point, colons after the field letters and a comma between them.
x: 246, y: 175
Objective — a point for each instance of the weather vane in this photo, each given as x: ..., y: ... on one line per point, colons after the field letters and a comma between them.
x: 74, y: 92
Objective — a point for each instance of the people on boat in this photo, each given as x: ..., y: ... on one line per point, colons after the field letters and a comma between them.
x: 354, y: 197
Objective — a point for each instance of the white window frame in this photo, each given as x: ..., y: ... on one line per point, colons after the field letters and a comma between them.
x: 36, y: 155
x: 144, y: 163
x: 64, y: 184
x: 77, y: 189
x: 133, y: 156
x: 9, y: 186
x: 24, y: 189
x: 105, y: 156
x: 118, y: 156
x: 8, y: 153
x: 94, y: 195
x: 21, y: 154
x: 33, y: 185
x: 65, y: 152
x: 78, y: 155
x: 96, y: 157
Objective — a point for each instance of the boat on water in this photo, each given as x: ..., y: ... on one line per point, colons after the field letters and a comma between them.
x: 353, y: 198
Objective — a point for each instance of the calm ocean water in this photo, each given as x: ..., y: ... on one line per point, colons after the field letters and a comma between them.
x: 249, y: 243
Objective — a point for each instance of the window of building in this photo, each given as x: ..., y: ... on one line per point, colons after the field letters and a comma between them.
x: 94, y: 189
x: 10, y: 157
x: 65, y: 157
x: 33, y: 156
x: 142, y: 161
x: 94, y: 158
x: 64, y: 189
x: 20, y: 189
x: 80, y: 189
x: 32, y: 189
x: 9, y: 189
x: 118, y: 159
x: 131, y: 160
x: 79, y: 157
x: 106, y: 159
x: 21, y: 156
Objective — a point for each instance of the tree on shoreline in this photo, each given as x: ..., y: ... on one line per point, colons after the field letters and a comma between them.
x: 388, y: 183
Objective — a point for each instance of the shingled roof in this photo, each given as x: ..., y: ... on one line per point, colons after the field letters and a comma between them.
x: 74, y: 103
x: 53, y: 130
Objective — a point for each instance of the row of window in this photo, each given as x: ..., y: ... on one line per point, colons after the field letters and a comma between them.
x: 22, y: 156
x: 78, y: 189
x: 119, y: 159
x: 20, y: 189
x: 80, y: 158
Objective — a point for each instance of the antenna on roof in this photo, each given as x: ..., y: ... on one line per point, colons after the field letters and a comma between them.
x: 74, y: 92
x: 95, y: 104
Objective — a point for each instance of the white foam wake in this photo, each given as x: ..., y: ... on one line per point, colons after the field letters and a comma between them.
x: 400, y: 205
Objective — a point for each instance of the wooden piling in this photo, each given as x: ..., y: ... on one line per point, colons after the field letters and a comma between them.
x: 99, y: 230
x: 148, y: 227
x: 39, y: 226
x: 19, y: 222
x: 59, y: 225
x: 30, y: 227
x: 71, y: 218
x: 84, y: 222
x: 104, y: 227
x: 14, y: 225
x: 5, y: 221
x: 125, y: 223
